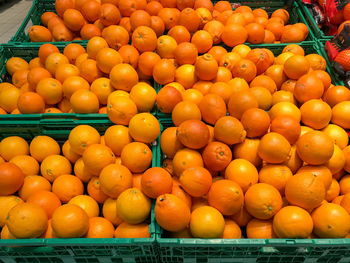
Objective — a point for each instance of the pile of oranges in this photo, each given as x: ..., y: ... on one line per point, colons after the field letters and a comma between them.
x: 257, y: 139
x: 92, y: 189
x: 85, y: 19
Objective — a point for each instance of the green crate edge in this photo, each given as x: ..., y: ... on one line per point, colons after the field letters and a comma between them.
x: 318, y: 33
x: 316, y: 45
x: 43, y: 247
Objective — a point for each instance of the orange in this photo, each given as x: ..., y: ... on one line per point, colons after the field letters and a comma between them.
x: 256, y: 122
x: 226, y: 196
x: 316, y: 114
x: 125, y: 230
x: 81, y: 172
x: 83, y: 136
x: 305, y: 190
x: 96, y: 157
x: 335, y: 94
x: 42, y: 147
x: 7, y: 203
x: 166, y: 46
x: 338, y: 135
x: 33, y: 184
x: 248, y: 150
x: 100, y: 227
x: 202, y: 40
x: 242, y: 217
x: 286, y: 126
x: 344, y: 184
x: 116, y: 137
x: 121, y: 109
x: 263, y: 96
x: 16, y: 63
x: 275, y: 175
x: 46, y: 200
x: 136, y: 156
x: 114, y: 179
x: 55, y: 165
x: 308, y: 87
x: 212, y: 106
x: 319, y: 171
x: 186, y: 158
x: 193, y: 134
x: 282, y: 95
x: 54, y: 60
x: 155, y: 182
x: 229, y: 130
x: 11, y: 178
x: 185, y: 110
x: 123, y: 76
x: 132, y: 199
x: 263, y: 201
x: 330, y: 221
x: 285, y: 108
x: 337, y: 161
x: 144, y: 96
x: 271, y: 144
x: 333, y: 191
x: 26, y: 220
x: 185, y: 75
x: 72, y: 84
x: 109, y: 211
x: 207, y: 222
x: 292, y: 222
x: 192, y: 95
x: 315, y: 147
x: 70, y: 221
x: 8, y: 97
x: 94, y: 190
x: 67, y: 186
x: 68, y: 153
x: 84, y: 101
x: 169, y: 142
x: 240, y: 102
x: 264, y: 81
x: 144, y: 39
x: 242, y: 172
x: 144, y: 127
x: 94, y: 45
x: 87, y: 203
x: 216, y: 156
x: 12, y: 146
x: 171, y: 213
x: 340, y: 114
x: 257, y: 228
x: 206, y: 67
x: 196, y: 181
x: 232, y: 230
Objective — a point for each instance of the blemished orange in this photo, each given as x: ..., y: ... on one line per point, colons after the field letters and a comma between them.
x: 27, y: 220
x: 87, y: 203
x: 42, y: 146
x: 70, y: 221
x: 67, y: 186
x: 46, y: 200
x: 305, y: 190
x: 55, y: 165
x: 114, y: 179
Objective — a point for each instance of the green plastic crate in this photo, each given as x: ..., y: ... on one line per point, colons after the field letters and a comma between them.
x: 77, y: 250
x: 195, y: 250
x: 309, y: 47
x: 318, y: 33
x: 33, y: 18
